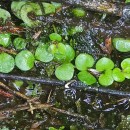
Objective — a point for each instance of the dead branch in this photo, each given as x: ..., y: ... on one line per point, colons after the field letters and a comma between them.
x: 2, y: 49
x: 76, y: 84
x: 46, y: 107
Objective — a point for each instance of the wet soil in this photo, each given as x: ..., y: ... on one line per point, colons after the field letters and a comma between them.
x: 104, y: 111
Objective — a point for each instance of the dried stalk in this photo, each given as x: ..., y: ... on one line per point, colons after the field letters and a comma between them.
x: 46, y: 107
x: 2, y: 49
x: 76, y: 84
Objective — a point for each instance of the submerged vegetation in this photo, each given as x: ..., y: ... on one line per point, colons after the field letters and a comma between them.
x: 69, y: 45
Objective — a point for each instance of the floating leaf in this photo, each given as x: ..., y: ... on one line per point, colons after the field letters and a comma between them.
x: 5, y: 39
x: 6, y: 63
x: 118, y: 75
x: 106, y: 79
x: 59, y: 51
x: 19, y: 43
x: 16, y: 7
x: 29, y: 12
x: 121, y: 44
x: 55, y: 37
x: 125, y: 63
x: 86, y: 77
x: 4, y: 15
x: 42, y: 53
x: 84, y: 61
x: 24, y: 60
x: 65, y: 71
x: 126, y: 72
x: 78, y: 12
x: 104, y: 64
x: 70, y: 53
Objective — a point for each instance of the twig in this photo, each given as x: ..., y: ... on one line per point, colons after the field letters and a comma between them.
x: 76, y: 84
x: 47, y: 107
x: 2, y: 49
x: 14, y: 92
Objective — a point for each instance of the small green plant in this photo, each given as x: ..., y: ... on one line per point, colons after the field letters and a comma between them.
x: 86, y: 77
x: 121, y: 44
x: 61, y: 128
x: 42, y: 53
x: 59, y: 51
x: 125, y: 64
x: 19, y: 43
x: 106, y: 78
x: 4, y: 15
x: 6, y: 63
x: 5, y: 39
x: 55, y: 37
x: 16, y: 7
x: 24, y: 60
x: 118, y: 75
x: 63, y: 54
x: 65, y: 71
x: 84, y: 61
x: 78, y: 12
x: 27, y: 11
x: 104, y: 64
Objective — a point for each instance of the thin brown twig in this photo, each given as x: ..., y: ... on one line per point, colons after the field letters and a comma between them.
x: 13, y: 52
x: 16, y: 93
x: 76, y: 84
x: 46, y: 107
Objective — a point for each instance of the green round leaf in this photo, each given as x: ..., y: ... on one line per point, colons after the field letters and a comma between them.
x: 16, y: 7
x: 78, y: 12
x: 59, y: 51
x: 70, y: 53
x: 19, y: 43
x: 86, y: 77
x: 121, y: 44
x: 6, y: 63
x: 84, y: 61
x: 27, y: 11
x: 118, y: 75
x: 4, y: 15
x: 106, y: 79
x: 125, y: 63
x: 55, y: 37
x: 126, y: 72
x: 65, y: 72
x: 104, y: 64
x: 5, y: 39
x: 42, y: 53
x: 24, y: 60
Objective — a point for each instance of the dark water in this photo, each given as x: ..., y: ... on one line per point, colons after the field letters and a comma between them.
x: 103, y: 111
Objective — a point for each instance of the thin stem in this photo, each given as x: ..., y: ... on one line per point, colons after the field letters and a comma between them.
x: 76, y: 84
